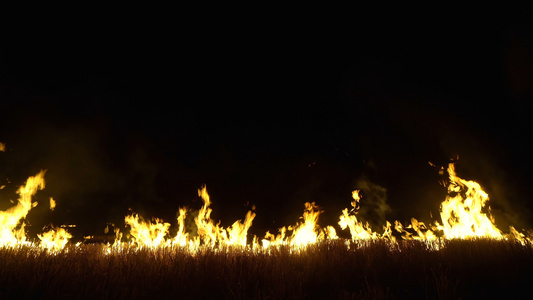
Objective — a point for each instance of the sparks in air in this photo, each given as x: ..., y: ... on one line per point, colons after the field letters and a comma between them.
x: 462, y: 217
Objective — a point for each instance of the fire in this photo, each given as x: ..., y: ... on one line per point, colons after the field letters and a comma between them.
x: 303, y: 234
x: 182, y: 237
x: 358, y: 230
x: 210, y: 235
x: 213, y: 235
x: 208, y: 231
x: 238, y: 231
x: 461, y: 212
x: 54, y: 240
x: 52, y: 204
x: 12, y: 228
x: 464, y: 215
x: 308, y: 231
x: 147, y: 234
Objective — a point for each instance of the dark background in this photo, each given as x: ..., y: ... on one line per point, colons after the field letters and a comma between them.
x: 267, y: 107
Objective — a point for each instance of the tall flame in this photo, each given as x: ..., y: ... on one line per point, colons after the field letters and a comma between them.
x: 208, y: 231
x: 12, y: 229
x: 182, y: 237
x: 461, y: 212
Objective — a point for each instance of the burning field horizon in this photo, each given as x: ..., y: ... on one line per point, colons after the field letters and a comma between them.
x: 266, y: 153
x: 462, y: 254
x: 464, y: 214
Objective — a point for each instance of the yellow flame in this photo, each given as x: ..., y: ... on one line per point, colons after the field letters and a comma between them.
x: 208, y: 232
x: 461, y: 212
x: 464, y: 215
x: 307, y: 232
x: 182, y: 237
x: 303, y: 234
x: 55, y: 239
x: 11, y: 218
x: 52, y: 204
x: 358, y: 230
x: 213, y: 235
x: 239, y: 231
x: 147, y: 234
x: 209, y: 235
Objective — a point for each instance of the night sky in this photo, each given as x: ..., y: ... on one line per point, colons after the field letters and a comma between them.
x: 267, y: 108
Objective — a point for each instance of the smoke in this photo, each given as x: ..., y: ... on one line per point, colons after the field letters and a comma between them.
x: 190, y: 225
x: 373, y: 204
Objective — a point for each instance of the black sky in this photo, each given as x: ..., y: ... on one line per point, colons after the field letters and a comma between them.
x: 266, y: 108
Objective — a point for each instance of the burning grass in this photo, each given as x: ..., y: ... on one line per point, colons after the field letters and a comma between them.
x: 481, y: 268
x: 463, y: 256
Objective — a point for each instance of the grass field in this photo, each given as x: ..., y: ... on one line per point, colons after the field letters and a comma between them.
x: 473, y: 269
x: 467, y: 257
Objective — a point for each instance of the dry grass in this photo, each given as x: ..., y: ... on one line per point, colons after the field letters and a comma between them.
x: 463, y: 269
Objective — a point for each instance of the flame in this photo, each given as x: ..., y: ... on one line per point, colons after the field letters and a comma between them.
x: 308, y: 231
x: 182, y: 237
x: 208, y: 231
x: 461, y: 214
x: 461, y: 211
x: 209, y: 235
x: 147, y: 234
x: 212, y: 235
x: 10, y: 219
x: 239, y: 231
x: 358, y: 230
x: 52, y: 204
x: 303, y: 234
x: 464, y: 215
x: 54, y: 240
